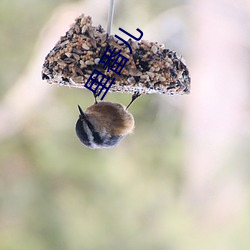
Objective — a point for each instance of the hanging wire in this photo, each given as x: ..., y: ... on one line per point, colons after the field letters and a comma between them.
x: 110, y: 16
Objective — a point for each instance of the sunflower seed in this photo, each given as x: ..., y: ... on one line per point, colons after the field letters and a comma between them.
x: 134, y: 72
x: 85, y: 46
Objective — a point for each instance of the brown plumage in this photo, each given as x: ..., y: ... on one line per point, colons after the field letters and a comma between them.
x: 110, y: 117
x: 103, y: 125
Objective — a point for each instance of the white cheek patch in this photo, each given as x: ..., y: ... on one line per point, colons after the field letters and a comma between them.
x: 90, y: 134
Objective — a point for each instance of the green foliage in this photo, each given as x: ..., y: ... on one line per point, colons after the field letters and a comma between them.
x: 20, y: 24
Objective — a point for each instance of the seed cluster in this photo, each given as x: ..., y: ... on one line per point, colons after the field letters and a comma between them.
x: 151, y: 68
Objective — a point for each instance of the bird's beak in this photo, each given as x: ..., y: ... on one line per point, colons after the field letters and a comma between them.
x: 82, y: 115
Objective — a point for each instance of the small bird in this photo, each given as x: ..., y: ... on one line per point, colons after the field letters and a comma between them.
x: 104, y: 124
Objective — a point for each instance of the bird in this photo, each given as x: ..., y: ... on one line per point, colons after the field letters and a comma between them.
x: 104, y: 124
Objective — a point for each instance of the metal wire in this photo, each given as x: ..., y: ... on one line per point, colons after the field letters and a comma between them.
x: 110, y: 16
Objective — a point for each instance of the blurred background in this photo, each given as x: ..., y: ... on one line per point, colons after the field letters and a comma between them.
x: 180, y: 182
